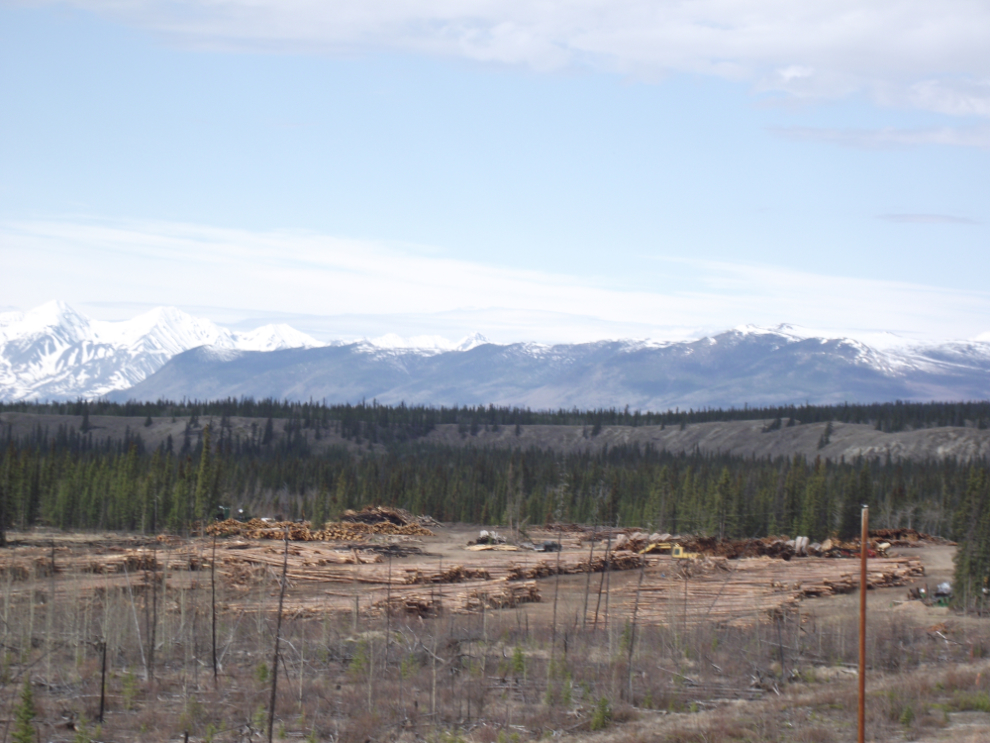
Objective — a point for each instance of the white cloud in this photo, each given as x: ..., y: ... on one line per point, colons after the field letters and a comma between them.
x: 349, y: 287
x: 932, y: 55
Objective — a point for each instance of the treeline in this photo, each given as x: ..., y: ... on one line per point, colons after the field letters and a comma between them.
x: 72, y: 480
x: 419, y: 419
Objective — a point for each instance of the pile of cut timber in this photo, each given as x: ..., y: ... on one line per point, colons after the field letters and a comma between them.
x: 259, y: 529
x: 410, y: 604
x: 500, y: 595
x: 454, y: 574
x: 302, y: 531
x: 352, y: 531
x: 596, y: 564
x: 131, y: 561
x: 752, y: 589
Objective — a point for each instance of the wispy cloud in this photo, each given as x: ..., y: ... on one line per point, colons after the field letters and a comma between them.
x: 925, y: 219
x: 928, y: 55
x: 373, y: 287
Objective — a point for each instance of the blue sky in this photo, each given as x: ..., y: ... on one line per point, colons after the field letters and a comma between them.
x: 529, y: 171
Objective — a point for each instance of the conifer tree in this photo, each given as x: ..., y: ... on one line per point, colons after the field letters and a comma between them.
x: 24, y: 714
x: 201, y: 501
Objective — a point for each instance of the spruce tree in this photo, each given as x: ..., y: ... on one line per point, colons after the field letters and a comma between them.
x: 204, y: 479
x: 24, y: 715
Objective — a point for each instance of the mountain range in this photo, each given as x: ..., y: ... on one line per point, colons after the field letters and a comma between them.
x: 54, y: 352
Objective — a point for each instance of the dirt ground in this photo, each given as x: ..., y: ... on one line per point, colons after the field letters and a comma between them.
x: 683, y: 609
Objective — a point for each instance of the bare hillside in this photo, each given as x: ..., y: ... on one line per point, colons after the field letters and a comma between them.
x: 745, y: 438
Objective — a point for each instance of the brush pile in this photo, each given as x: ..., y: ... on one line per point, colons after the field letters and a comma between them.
x: 907, y: 537
x: 376, y: 515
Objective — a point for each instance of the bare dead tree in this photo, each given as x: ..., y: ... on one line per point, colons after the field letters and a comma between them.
x: 103, y: 676
x: 213, y: 606
x: 587, y: 582
x: 388, y: 611
x: 632, y: 629
x: 278, y: 636
x: 601, y: 583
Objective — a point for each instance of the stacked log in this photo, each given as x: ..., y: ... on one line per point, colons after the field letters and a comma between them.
x: 260, y: 529
x: 501, y: 595
x: 409, y: 604
x: 597, y: 564
x: 352, y: 531
x: 453, y: 574
x: 131, y: 561
x: 743, y: 591
x: 302, y: 531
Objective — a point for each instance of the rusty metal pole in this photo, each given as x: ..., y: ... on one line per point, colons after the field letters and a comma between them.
x: 864, y: 545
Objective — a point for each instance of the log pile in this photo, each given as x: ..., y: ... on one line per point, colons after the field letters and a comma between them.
x: 340, y: 531
x: 501, y: 595
x: 260, y: 529
x: 15, y: 571
x: 597, y: 564
x: 131, y: 561
x: 453, y: 574
x: 302, y: 531
x: 409, y: 604
x: 741, y: 592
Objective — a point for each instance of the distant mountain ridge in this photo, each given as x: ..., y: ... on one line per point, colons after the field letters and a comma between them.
x: 746, y: 365
x: 54, y: 352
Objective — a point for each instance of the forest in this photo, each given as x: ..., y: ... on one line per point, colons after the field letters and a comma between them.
x: 70, y: 478
x: 420, y: 419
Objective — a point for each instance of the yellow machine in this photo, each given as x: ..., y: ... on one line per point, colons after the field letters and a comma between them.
x: 674, y: 549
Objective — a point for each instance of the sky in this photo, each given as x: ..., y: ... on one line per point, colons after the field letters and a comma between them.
x: 549, y: 171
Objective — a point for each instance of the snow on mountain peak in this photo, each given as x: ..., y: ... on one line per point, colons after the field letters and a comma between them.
x: 425, y: 344
x: 54, y: 315
x: 52, y: 351
x: 273, y: 338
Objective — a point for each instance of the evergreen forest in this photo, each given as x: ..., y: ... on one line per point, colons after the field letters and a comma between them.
x: 69, y: 478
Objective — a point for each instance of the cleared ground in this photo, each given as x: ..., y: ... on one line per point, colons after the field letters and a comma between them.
x: 720, y: 650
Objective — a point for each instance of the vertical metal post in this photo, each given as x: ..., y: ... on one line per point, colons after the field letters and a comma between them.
x: 864, y: 545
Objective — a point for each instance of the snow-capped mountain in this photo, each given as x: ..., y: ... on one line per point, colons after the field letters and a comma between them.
x: 54, y: 352
x: 425, y: 345
x: 759, y: 366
